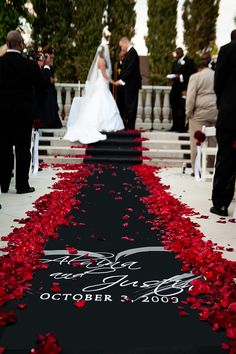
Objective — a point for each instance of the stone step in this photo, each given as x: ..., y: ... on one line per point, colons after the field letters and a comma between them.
x: 56, y: 141
x: 163, y: 148
x: 113, y: 159
x: 152, y: 135
x: 80, y: 152
x: 124, y: 134
x: 162, y: 143
x: 60, y: 150
x: 115, y: 150
x: 52, y: 132
x: 165, y: 135
x: 162, y: 162
x: 169, y: 163
x: 167, y: 153
x: 118, y: 142
x: 166, y: 144
x: 47, y: 159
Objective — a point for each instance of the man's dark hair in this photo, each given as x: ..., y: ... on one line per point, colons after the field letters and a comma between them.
x: 233, y: 35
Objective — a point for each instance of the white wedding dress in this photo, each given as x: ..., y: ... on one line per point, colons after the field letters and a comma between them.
x: 94, y: 113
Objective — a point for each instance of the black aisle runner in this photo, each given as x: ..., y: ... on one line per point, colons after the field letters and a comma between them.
x: 132, y: 287
x: 119, y: 147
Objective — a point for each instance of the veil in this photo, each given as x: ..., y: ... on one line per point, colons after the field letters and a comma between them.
x: 93, y: 71
x: 3, y: 49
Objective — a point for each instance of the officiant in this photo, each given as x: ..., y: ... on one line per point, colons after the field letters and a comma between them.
x: 182, y: 68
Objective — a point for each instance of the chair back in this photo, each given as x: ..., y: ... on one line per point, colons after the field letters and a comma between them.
x: 207, y: 150
x: 209, y: 131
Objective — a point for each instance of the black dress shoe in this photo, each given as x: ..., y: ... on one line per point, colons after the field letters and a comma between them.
x: 26, y: 190
x: 4, y: 190
x: 223, y: 211
x: 5, y: 187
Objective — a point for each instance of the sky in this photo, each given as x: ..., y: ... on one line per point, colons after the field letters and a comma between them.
x: 224, y: 26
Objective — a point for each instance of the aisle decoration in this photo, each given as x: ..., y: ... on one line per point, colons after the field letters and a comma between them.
x: 26, y: 244
x: 214, y: 296
x: 200, y: 137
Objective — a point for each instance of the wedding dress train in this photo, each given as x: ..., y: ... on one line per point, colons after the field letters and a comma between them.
x: 93, y: 114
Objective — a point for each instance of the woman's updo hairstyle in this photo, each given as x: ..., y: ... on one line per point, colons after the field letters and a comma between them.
x: 101, y: 51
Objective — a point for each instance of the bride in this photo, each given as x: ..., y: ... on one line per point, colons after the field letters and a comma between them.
x: 96, y: 111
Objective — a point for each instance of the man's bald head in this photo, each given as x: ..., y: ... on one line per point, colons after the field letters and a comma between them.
x: 15, y: 40
x: 124, y: 43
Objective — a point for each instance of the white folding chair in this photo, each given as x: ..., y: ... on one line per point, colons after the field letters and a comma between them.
x: 34, y: 157
x: 34, y: 165
x: 207, y: 150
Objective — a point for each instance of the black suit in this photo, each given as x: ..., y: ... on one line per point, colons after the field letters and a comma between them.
x: 118, y: 91
x: 49, y: 109
x: 225, y: 88
x: 19, y: 78
x: 131, y: 76
x: 183, y: 68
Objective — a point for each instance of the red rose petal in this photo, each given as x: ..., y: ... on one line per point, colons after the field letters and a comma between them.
x: 76, y: 264
x: 80, y: 304
x: 56, y: 287
x: 127, y: 238
x: 232, y: 307
x: 22, y: 306
x: 71, y: 250
x: 126, y: 217
x: 7, y: 318
x: 230, y: 249
x: 231, y: 333
x: 47, y: 344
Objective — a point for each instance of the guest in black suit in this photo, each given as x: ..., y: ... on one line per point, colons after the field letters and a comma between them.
x: 225, y: 88
x: 182, y: 68
x: 131, y: 81
x: 19, y: 78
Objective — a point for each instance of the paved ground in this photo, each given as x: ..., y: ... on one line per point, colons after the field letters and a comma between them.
x: 182, y: 186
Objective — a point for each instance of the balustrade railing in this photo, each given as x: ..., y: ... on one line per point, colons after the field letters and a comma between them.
x: 153, y: 112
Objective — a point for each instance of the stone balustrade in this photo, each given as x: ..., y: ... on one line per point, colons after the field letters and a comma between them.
x: 153, y: 105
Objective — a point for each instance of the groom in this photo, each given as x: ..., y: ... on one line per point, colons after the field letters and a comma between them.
x: 130, y: 81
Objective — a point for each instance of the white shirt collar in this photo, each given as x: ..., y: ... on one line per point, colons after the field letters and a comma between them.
x: 129, y: 47
x: 181, y: 58
x: 13, y: 51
